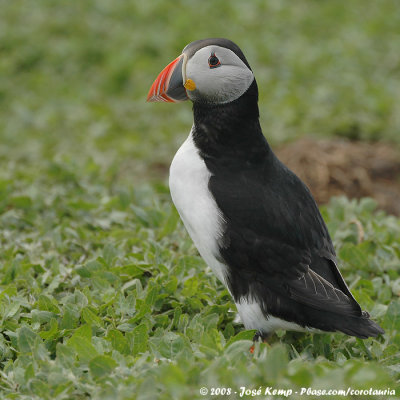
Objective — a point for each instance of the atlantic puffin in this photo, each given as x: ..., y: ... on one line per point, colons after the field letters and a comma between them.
x: 253, y: 221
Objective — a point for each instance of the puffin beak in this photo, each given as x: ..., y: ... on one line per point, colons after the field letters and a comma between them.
x: 169, y: 84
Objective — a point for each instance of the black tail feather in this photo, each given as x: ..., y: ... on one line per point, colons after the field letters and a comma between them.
x: 361, y: 327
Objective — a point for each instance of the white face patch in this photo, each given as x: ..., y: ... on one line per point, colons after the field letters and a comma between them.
x: 221, y: 84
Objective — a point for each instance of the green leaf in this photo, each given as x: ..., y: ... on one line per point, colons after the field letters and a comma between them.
x: 9, y: 291
x: 130, y: 270
x: 47, y: 303
x: 80, y: 341
x: 52, y: 333
x: 109, y: 253
x: 42, y: 317
x: 144, y: 310
x: 39, y: 388
x: 101, y: 366
x: 70, y: 317
x: 243, y: 335
x: 65, y: 355
x: 141, y: 215
x: 171, y: 345
x: 302, y: 377
x: 151, y: 295
x: 26, y: 339
x: 29, y: 372
x: 392, y: 317
x: 91, y: 318
x: 238, y: 351
x: 177, y: 315
x: 169, y: 225
x: 354, y: 256
x: 190, y: 286
x: 138, y: 339
x: 277, y: 362
x: 118, y: 341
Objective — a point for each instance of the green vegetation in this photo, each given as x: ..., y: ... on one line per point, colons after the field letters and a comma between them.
x: 103, y: 295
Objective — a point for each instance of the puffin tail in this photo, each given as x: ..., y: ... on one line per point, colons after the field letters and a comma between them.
x: 362, y: 327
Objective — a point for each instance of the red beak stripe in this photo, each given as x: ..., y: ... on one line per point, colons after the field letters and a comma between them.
x: 159, y: 87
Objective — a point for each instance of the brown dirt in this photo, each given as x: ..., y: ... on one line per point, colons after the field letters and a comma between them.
x: 354, y: 169
x: 336, y: 167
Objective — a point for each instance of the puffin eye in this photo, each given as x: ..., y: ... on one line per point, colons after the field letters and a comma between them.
x: 213, y: 61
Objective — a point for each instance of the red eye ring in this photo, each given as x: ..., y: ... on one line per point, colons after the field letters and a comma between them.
x: 213, y: 61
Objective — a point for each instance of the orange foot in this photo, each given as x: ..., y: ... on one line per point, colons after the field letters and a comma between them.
x: 256, y: 337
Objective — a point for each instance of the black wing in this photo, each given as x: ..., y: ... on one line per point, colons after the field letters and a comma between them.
x: 278, y: 273
x: 278, y: 249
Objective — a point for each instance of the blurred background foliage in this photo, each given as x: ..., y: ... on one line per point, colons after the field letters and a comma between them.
x: 74, y: 75
x: 103, y: 291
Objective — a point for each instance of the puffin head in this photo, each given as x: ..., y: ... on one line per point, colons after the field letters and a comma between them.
x: 210, y: 71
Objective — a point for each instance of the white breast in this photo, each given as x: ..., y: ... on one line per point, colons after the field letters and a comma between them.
x: 188, y: 182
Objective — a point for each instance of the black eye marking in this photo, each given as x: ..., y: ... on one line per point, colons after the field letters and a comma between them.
x: 213, y: 61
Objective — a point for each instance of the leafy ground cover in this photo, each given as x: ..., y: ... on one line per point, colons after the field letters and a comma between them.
x: 102, y: 293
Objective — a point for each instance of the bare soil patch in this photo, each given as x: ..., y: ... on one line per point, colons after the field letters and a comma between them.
x: 339, y: 167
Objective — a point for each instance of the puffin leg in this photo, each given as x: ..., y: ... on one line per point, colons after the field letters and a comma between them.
x: 258, y: 336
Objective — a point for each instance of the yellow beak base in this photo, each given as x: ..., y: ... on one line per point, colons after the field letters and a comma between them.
x: 189, y: 85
